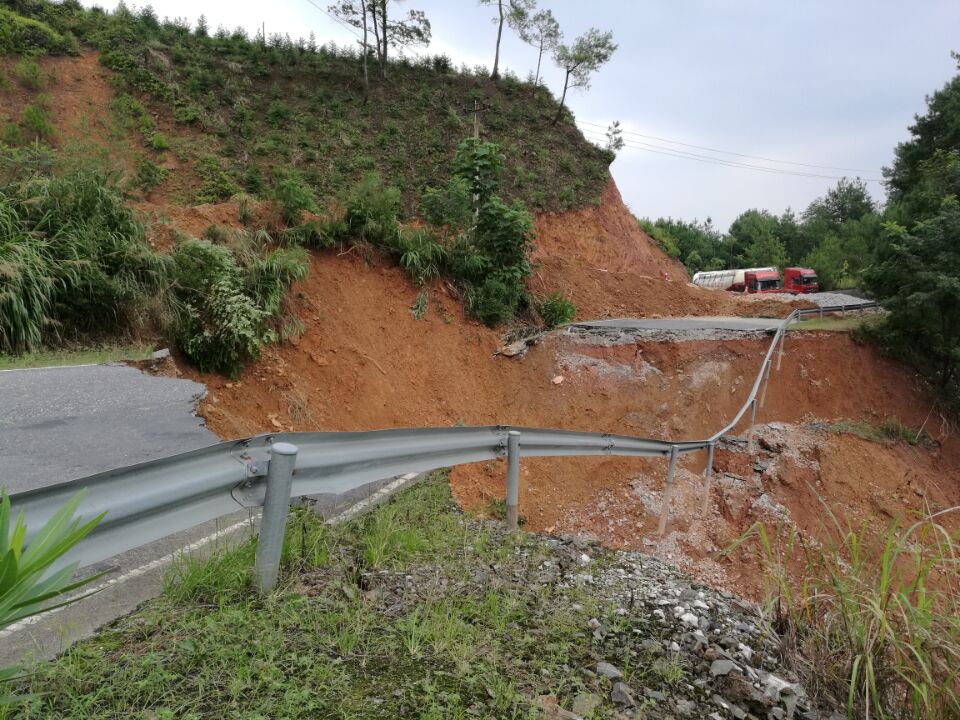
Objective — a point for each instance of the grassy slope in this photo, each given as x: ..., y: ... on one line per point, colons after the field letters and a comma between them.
x: 228, y: 106
x: 414, y: 610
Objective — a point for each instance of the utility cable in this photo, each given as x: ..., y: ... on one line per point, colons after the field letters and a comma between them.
x: 670, y: 152
x: 730, y: 152
x: 337, y: 20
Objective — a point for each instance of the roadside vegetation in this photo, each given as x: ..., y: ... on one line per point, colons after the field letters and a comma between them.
x: 890, y: 430
x: 413, y: 610
x: 78, y: 270
x: 869, y: 617
x: 82, y: 356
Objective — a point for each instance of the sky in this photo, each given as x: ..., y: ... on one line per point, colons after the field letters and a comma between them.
x: 825, y: 83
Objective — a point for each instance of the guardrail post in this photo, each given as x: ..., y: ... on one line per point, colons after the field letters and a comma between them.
x: 513, y: 479
x: 783, y: 339
x: 667, y: 491
x: 821, y: 312
x: 753, y: 419
x: 707, y: 479
x: 843, y: 311
x: 276, y: 504
x: 766, y: 381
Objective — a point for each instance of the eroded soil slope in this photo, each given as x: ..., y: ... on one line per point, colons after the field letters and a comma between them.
x: 364, y: 362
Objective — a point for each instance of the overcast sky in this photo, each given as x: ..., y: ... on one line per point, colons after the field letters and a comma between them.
x: 816, y: 82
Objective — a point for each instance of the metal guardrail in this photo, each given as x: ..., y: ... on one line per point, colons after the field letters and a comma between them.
x: 151, y: 500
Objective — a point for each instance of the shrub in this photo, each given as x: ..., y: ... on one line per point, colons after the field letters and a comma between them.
x: 28, y: 72
x: 450, y: 207
x: 294, y: 197
x: 418, y: 253
x: 149, y: 174
x: 159, y: 142
x: 12, y: 135
x: 25, y: 36
x: 36, y: 120
x: 227, y: 301
x: 75, y: 257
x: 557, y: 310
x: 217, y: 184
x: 495, y: 300
x: 372, y: 209
x: 316, y: 234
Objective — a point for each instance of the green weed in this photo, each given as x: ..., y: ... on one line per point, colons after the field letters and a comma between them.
x: 868, y: 616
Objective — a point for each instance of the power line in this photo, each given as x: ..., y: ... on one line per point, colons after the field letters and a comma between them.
x: 683, y: 155
x: 337, y: 20
x: 730, y: 152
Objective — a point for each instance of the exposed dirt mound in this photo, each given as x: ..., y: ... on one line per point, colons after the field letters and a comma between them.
x: 365, y: 362
x: 601, y: 259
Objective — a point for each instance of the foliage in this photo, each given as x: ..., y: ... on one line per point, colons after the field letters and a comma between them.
x: 227, y: 301
x: 217, y: 184
x: 37, y: 122
x: 372, y: 209
x: 450, y: 207
x: 29, y: 74
x: 28, y: 582
x: 918, y: 281
x: 21, y: 35
x: 225, y: 84
x: 579, y: 60
x: 73, y: 257
x: 149, y: 174
x: 542, y: 31
x: 868, y: 617
x: 557, y: 310
x: 294, y: 196
x: 926, y: 168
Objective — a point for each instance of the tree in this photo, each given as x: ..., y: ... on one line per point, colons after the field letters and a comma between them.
x: 754, y: 240
x: 615, y: 137
x: 918, y: 281
x: 542, y: 31
x: 516, y: 13
x: 373, y: 16
x: 584, y: 57
x: 926, y: 168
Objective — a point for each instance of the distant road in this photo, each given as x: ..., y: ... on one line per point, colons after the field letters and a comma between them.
x: 732, y: 324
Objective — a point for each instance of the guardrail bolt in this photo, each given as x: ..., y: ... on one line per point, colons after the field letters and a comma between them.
x: 667, y: 492
x: 276, y: 504
x: 513, y: 479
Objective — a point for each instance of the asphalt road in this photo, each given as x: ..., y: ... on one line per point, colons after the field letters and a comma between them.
x: 58, y: 424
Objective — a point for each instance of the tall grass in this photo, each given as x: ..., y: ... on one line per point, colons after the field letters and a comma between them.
x: 870, y: 617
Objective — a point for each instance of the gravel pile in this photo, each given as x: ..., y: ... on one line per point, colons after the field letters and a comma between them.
x: 832, y: 298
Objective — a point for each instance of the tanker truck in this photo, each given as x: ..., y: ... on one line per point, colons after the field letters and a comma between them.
x: 796, y: 280
x: 750, y: 280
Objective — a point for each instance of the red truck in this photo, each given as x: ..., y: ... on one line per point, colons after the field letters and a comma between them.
x: 800, y: 280
x: 759, y: 280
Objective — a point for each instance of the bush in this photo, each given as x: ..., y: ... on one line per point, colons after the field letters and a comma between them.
x: 372, y: 209
x: 294, y: 197
x: 149, y: 174
x: 418, y: 253
x: 159, y: 142
x: 495, y: 300
x: 36, y: 120
x: 75, y: 257
x: 450, y: 207
x: 217, y: 184
x: 227, y: 301
x: 557, y: 310
x: 28, y: 72
x: 25, y: 36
